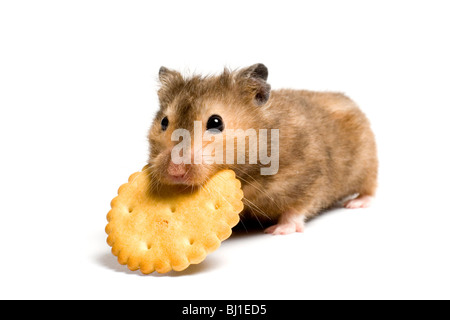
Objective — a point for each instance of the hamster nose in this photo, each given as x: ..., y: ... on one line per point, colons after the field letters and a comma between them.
x: 176, y: 170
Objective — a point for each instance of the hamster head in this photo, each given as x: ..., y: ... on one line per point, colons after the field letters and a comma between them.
x: 195, y: 133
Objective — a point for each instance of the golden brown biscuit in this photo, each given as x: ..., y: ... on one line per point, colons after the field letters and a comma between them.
x: 174, y: 228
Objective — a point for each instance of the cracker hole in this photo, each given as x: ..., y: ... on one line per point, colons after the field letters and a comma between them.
x: 163, y: 223
x: 217, y: 205
x: 130, y: 210
x: 149, y: 246
x: 191, y: 241
x: 172, y: 209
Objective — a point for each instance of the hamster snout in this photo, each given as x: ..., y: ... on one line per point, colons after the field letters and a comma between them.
x: 176, y: 171
x: 176, y: 164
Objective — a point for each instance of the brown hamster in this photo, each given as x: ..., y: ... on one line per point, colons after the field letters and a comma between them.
x: 325, y: 150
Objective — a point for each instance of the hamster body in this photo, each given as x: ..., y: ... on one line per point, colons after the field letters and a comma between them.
x: 325, y: 151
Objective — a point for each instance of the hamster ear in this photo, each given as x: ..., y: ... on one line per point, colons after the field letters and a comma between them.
x: 166, y: 75
x: 171, y: 81
x: 255, y: 78
x: 162, y: 71
x: 257, y: 71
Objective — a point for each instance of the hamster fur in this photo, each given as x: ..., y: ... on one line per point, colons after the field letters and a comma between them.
x: 327, y: 150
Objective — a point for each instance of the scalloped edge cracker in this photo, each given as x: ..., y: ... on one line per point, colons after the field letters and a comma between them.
x: 170, y: 232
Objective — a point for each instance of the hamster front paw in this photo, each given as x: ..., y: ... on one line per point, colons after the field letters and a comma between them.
x: 291, y: 221
x: 359, y: 202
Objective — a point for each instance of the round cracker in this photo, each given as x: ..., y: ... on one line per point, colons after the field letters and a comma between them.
x: 174, y: 228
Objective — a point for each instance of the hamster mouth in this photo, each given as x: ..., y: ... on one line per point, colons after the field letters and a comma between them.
x: 192, y: 177
x: 166, y: 172
x: 178, y: 173
x: 179, y: 179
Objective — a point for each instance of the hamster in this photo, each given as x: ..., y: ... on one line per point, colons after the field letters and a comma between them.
x: 325, y: 150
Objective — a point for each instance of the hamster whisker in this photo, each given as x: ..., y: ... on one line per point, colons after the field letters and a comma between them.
x: 256, y: 187
x: 252, y: 205
x: 255, y: 215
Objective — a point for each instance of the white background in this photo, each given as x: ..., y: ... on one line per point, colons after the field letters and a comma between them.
x: 78, y: 93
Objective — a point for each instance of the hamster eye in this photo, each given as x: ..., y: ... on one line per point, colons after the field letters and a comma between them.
x: 215, y: 122
x: 164, y: 123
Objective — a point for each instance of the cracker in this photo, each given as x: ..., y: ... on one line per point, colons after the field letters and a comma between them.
x: 171, y: 230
